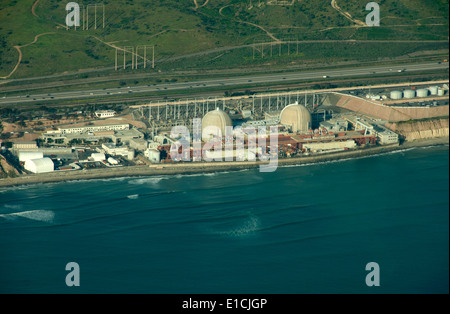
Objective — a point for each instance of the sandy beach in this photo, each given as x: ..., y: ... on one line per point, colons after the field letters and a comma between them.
x: 205, y: 167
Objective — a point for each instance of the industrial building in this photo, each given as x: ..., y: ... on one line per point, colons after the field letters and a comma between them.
x: 39, y: 165
x: 93, y: 128
x: 153, y: 155
x: 25, y: 145
x: 27, y: 155
x: 124, y: 136
x: 105, y: 113
x: 327, y: 146
x: 335, y: 125
x: 98, y: 157
x: 138, y: 144
x: 385, y: 136
x: 114, y: 150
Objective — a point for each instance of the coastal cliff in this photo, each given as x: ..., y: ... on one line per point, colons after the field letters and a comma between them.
x: 6, y: 170
x: 414, y: 130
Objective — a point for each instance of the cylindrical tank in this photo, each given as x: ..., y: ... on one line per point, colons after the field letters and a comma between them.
x: 409, y: 93
x: 434, y: 90
x: 440, y: 92
x: 396, y: 94
x: 423, y: 92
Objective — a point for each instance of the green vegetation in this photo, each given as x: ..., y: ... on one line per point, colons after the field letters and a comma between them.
x: 177, y: 29
x: 412, y: 121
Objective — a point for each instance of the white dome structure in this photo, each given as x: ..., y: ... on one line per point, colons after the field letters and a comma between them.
x: 40, y: 165
x: 296, y: 117
x: 217, y: 118
x: 24, y: 156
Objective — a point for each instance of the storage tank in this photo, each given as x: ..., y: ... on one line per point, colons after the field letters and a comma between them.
x: 423, y: 92
x: 112, y: 161
x: 396, y: 94
x: 434, y: 90
x: 409, y: 93
x: 440, y: 92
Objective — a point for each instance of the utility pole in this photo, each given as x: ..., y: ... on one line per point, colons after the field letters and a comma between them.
x: 115, y: 64
x: 124, y: 58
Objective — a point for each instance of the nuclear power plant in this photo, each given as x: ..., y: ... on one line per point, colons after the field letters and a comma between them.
x: 302, y: 127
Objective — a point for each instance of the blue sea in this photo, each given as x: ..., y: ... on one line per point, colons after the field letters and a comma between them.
x: 300, y: 229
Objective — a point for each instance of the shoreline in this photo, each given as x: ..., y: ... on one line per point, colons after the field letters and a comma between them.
x: 208, y: 167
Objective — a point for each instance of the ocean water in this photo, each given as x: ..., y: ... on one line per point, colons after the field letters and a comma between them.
x: 300, y: 229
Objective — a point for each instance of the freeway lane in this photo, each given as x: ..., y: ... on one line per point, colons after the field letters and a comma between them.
x: 225, y: 82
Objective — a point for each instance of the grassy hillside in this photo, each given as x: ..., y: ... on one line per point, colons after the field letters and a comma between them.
x: 177, y: 28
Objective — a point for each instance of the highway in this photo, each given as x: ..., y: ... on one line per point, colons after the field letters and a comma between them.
x: 323, y: 75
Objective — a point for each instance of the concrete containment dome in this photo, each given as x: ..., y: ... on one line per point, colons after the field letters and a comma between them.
x: 217, y: 118
x: 296, y: 117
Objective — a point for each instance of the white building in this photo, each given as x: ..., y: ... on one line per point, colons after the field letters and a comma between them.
x: 40, y: 165
x: 28, y: 145
x: 334, y: 145
x: 112, y: 149
x: 94, y: 128
x: 98, y: 156
x: 139, y: 144
x: 236, y: 155
x: 153, y: 155
x: 113, y: 161
x: 387, y: 137
x: 26, y: 155
x: 105, y: 113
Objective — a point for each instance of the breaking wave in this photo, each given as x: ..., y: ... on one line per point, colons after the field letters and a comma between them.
x: 151, y: 180
x: 37, y: 215
x: 249, y: 227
